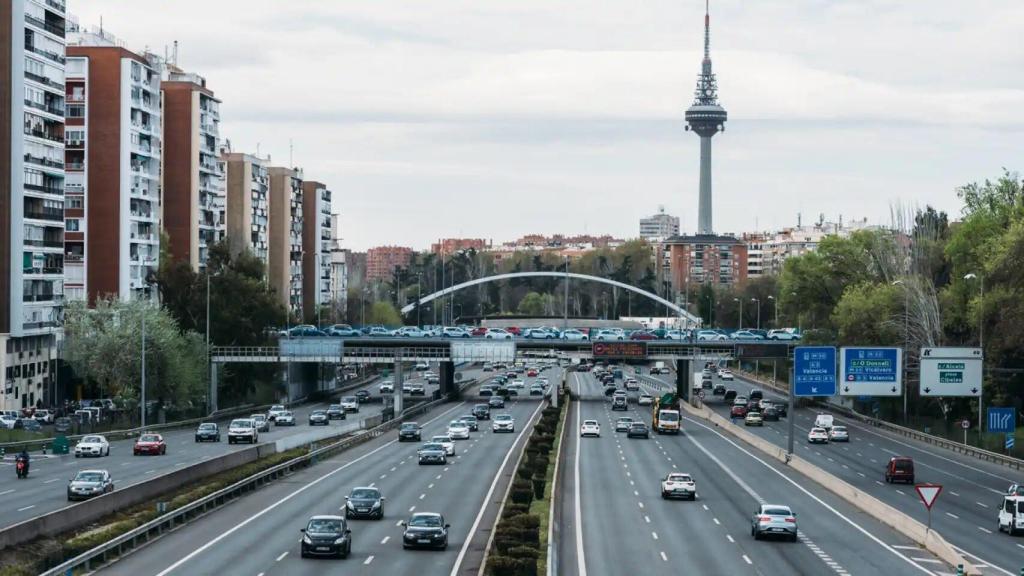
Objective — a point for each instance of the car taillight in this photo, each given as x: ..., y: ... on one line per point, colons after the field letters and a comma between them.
x: 791, y: 519
x: 765, y: 519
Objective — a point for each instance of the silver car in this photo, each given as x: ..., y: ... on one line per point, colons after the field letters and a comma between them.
x: 89, y: 483
x: 261, y: 421
x: 284, y: 419
x: 774, y: 520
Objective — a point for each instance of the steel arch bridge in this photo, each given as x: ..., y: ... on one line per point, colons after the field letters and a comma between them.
x: 689, y: 319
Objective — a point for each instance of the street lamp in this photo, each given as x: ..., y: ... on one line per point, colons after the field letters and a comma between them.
x: 775, y: 304
x: 711, y: 310
x: 741, y: 311
x: 758, y: 300
x: 565, y: 312
x: 798, y: 328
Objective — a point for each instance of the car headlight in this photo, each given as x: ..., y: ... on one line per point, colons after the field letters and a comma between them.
x: 340, y: 540
x: 376, y: 504
x: 306, y: 540
x: 349, y: 505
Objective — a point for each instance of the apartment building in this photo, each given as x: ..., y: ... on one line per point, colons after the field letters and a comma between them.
x: 659, y: 227
x: 316, y: 242
x: 339, y: 270
x: 32, y: 174
x: 113, y: 158
x: 449, y: 246
x: 706, y: 259
x: 248, y: 209
x: 382, y: 261
x: 285, y: 236
x: 194, y: 179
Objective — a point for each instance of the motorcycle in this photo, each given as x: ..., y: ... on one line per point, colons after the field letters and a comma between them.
x: 21, y: 467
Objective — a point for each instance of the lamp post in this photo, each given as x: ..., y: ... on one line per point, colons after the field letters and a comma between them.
x: 981, y: 343
x: 906, y: 340
x: 775, y: 304
x: 142, y: 393
x: 565, y: 311
x: 758, y: 300
x: 419, y: 296
x: 798, y: 328
x: 711, y: 311
x: 741, y: 311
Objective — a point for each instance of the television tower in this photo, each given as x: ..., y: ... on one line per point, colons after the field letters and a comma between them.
x: 707, y: 118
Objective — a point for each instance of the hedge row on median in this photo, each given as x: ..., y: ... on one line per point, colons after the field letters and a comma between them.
x: 516, y: 545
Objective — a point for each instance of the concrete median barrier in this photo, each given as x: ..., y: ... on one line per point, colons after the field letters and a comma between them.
x: 929, y: 539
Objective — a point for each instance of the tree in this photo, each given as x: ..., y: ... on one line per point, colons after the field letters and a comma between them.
x: 867, y: 315
x: 383, y: 313
x: 531, y: 305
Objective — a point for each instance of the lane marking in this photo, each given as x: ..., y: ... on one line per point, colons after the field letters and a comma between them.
x: 663, y: 556
x: 385, y: 540
x: 746, y: 559
x: 6, y: 492
x: 368, y: 560
x: 730, y: 538
x: 26, y: 508
x: 50, y: 480
x: 953, y: 516
x: 281, y: 557
x: 982, y: 505
x: 654, y: 535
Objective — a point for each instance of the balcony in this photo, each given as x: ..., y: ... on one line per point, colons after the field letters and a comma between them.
x: 55, y: 190
x: 73, y: 258
x: 57, y: 5
x: 51, y: 214
x: 44, y: 243
x: 46, y: 135
x: 53, y: 270
x: 75, y: 166
x: 48, y: 108
x: 47, y: 26
x: 44, y: 80
x: 55, y: 57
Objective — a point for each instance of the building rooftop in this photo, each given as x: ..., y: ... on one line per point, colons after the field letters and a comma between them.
x: 703, y: 239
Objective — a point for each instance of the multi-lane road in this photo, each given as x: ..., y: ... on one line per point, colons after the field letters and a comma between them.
x: 613, y: 520
x: 965, y: 512
x: 259, y: 535
x: 45, y: 488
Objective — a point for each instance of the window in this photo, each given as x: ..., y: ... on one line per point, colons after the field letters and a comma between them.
x: 74, y: 202
x: 72, y: 225
x: 76, y: 111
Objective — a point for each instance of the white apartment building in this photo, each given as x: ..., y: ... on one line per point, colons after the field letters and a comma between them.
x: 659, y: 226
x: 339, y: 269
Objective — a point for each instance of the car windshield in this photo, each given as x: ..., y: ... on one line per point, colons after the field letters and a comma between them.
x: 259, y: 417
x: 425, y: 521
x: 904, y: 465
x: 334, y: 407
x: 590, y: 422
x: 240, y: 423
x: 365, y: 494
x: 669, y: 416
x: 285, y: 414
x: 318, y: 413
x: 89, y: 477
x: 324, y: 526
x: 433, y: 446
x: 207, y: 426
x: 349, y: 399
x: 625, y: 420
x: 410, y: 426
x: 92, y: 440
x: 817, y: 430
x: 440, y: 439
x: 678, y: 478
x: 277, y: 407
x: 838, y: 429
x: 457, y: 423
x: 776, y: 511
x: 503, y: 417
x: 149, y: 438
x: 637, y: 425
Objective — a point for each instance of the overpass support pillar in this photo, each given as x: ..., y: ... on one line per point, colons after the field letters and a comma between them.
x: 447, y: 376
x: 211, y: 404
x: 397, y: 395
x: 684, y: 379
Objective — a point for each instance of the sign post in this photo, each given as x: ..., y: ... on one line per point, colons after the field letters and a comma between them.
x: 1009, y: 443
x: 814, y: 374
x: 966, y: 425
x: 871, y: 371
x: 928, y: 493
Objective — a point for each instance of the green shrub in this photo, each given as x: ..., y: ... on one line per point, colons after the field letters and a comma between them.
x: 524, y: 552
x: 538, y: 487
x: 514, y: 509
x: 522, y: 491
x: 506, y: 566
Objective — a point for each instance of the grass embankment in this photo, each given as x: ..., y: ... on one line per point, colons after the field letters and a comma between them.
x: 520, y: 538
x: 40, y: 554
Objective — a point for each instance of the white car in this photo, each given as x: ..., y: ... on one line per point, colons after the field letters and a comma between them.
x: 503, y: 423
x: 410, y: 332
x: 817, y: 435
x: 43, y: 416
x: 726, y: 374
x: 608, y: 335
x: 284, y: 419
x: 350, y: 404
x: 446, y: 441
x: 243, y: 429
x: 710, y: 335
x: 631, y: 384
x: 783, y: 335
x: 92, y: 445
x: 838, y: 434
x: 458, y: 430
x: 678, y: 485
x: 275, y: 411
x: 1011, y: 514
x: 573, y: 335
x: 498, y: 334
x: 387, y: 387
x: 825, y: 421
x: 645, y: 399
x: 516, y: 385
x: 7, y: 421
x: 590, y: 428
x: 421, y: 366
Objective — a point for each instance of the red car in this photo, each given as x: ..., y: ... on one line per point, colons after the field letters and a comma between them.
x: 513, y: 330
x: 531, y: 372
x: 739, y: 412
x: 643, y: 335
x: 150, y: 444
x: 479, y: 331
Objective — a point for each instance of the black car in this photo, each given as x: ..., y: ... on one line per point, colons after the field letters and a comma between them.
x: 208, y: 432
x: 362, y: 396
x: 471, y: 422
x: 486, y: 390
x: 756, y: 394
x: 409, y: 432
x: 335, y: 412
x: 719, y: 390
x: 770, y: 413
x: 482, y: 412
x: 782, y: 408
x: 319, y: 418
x: 730, y: 395
x: 364, y: 503
x: 435, y: 380
x: 496, y: 402
x: 425, y: 530
x: 326, y: 536
x: 638, y: 430
x: 432, y: 453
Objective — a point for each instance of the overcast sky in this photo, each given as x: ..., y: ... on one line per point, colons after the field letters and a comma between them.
x: 490, y: 119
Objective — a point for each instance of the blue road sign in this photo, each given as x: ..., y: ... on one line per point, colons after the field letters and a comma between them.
x: 814, y: 371
x: 1002, y: 420
x: 870, y: 371
x: 1009, y: 441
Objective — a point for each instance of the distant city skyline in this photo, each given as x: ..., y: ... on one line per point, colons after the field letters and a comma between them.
x: 433, y: 121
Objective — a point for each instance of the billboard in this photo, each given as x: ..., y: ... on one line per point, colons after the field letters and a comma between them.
x: 951, y: 371
x: 483, y: 351
x: 866, y: 371
x: 310, y: 347
x: 622, y: 350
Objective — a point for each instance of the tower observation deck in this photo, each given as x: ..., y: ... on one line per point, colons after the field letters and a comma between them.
x: 706, y: 117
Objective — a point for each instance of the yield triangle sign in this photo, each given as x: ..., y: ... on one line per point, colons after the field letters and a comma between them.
x: 928, y: 493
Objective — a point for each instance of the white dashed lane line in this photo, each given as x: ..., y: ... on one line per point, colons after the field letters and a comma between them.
x: 281, y: 557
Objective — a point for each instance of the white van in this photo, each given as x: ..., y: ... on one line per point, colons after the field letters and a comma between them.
x: 1011, y: 514
x: 823, y: 421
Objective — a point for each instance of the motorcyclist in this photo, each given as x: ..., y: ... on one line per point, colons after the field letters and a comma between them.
x: 23, y: 457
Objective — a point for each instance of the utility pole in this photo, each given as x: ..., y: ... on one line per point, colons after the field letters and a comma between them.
x: 758, y: 300
x: 741, y: 311
x: 142, y: 394
x: 209, y: 357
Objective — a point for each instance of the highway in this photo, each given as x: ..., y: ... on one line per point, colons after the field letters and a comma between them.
x: 965, y: 512
x: 259, y: 534
x: 45, y: 488
x: 614, y: 522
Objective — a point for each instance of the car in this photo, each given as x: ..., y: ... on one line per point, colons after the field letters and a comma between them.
x: 8, y: 421
x: 301, y: 331
x: 433, y: 379
x: 335, y: 412
x: 726, y: 374
x: 350, y: 404
x: 326, y: 536
x: 362, y: 396
x: 342, y: 331
x: 745, y: 335
x: 28, y: 425
x: 574, y: 335
x: 432, y: 453
x: 457, y: 430
x: 710, y: 335
x: 421, y: 366
x: 756, y: 394
x: 92, y: 445
x: 470, y: 421
x: 409, y: 432
x: 678, y: 485
x: 825, y: 421
x: 1011, y: 514
x: 738, y: 411
x: 319, y: 418
x: 496, y: 402
x: 243, y: 429
x: 753, y: 419
x: 498, y: 334
x: 482, y: 412
x: 900, y: 469
x: 487, y: 390
x: 783, y: 335
x: 608, y: 335
x: 446, y: 441
x: 377, y: 332
x: 623, y: 424
x: 364, y: 502
x: 261, y: 421
x: 275, y: 410
x: 839, y: 434
x: 619, y: 403
x: 718, y: 390
x: 782, y: 408
x: 638, y: 430
x: 425, y: 530
x: 1015, y: 489
x: 503, y: 423
x: 730, y: 396
x: 645, y: 399
x: 453, y: 332
x: 537, y: 390
x: 285, y: 419
x: 414, y: 389
x: 817, y: 435
x: 62, y: 425
x: 539, y: 334
x: 410, y: 332
x: 532, y: 373
x: 208, y: 431
x: 590, y: 428
x: 386, y: 387
x: 770, y: 413
x: 43, y: 416
x: 89, y: 483
x: 149, y: 443
x: 643, y: 335
x: 774, y: 520
x: 631, y: 384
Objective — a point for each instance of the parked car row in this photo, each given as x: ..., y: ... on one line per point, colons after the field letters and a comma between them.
x: 540, y: 333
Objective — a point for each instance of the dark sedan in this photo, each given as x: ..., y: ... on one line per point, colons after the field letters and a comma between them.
x: 638, y: 430
x: 409, y: 432
x: 770, y: 413
x: 208, y: 432
x: 364, y: 503
x: 362, y: 396
x: 319, y: 418
x: 425, y: 530
x: 326, y: 536
x: 482, y: 412
x: 335, y: 412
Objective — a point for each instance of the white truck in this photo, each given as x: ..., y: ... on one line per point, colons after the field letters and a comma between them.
x: 666, y: 421
x: 823, y: 421
x: 659, y: 368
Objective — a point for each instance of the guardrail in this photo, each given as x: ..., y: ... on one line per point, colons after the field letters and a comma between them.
x: 153, y: 529
x: 965, y: 449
